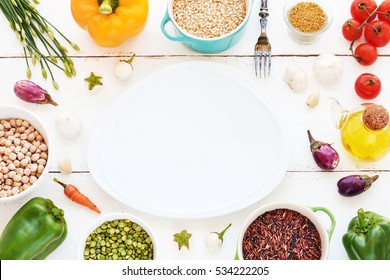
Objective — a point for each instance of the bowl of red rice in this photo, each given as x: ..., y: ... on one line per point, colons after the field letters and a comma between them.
x: 285, y: 231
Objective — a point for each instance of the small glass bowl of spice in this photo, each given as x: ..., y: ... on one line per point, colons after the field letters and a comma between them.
x: 285, y: 231
x: 307, y: 20
x: 118, y: 236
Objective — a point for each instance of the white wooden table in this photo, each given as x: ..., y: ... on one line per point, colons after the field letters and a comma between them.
x: 303, y: 182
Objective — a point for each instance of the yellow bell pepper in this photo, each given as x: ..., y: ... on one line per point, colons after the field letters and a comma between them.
x: 110, y: 22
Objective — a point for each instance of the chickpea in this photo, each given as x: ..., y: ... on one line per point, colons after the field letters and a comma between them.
x: 31, y: 137
x: 15, y: 190
x: 33, y: 149
x: 7, y: 125
x: 41, y: 167
x: 12, y: 122
x: 33, y: 167
x: 35, y: 157
x: 43, y: 147
x: 17, y: 142
x: 21, y: 129
x: 17, y: 163
x: 18, y: 149
x: 24, y: 150
x: 17, y: 178
x: 19, y: 122
x: 33, y: 179
x: 25, y: 179
x: 3, y: 193
x: 11, y: 174
x: 11, y: 166
x: 25, y: 123
x: 23, y: 136
x: 24, y: 162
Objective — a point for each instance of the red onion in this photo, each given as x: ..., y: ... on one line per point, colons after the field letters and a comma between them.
x: 325, y: 156
x: 31, y: 92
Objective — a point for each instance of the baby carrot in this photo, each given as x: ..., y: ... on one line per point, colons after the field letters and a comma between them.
x: 75, y: 195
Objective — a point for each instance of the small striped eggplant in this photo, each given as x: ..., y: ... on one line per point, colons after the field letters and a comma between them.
x: 355, y: 184
x: 33, y: 93
x: 325, y: 156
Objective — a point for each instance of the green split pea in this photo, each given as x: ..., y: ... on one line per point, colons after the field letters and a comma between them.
x: 119, y: 240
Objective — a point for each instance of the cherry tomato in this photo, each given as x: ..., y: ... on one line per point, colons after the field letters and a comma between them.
x: 350, y: 28
x: 384, y: 11
x: 366, y: 54
x: 368, y: 86
x: 360, y: 9
x: 377, y: 33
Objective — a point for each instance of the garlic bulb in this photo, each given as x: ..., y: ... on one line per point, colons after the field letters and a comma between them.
x: 296, y: 78
x: 328, y: 68
x: 68, y: 124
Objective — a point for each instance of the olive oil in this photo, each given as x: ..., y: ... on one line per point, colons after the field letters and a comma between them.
x: 363, y: 142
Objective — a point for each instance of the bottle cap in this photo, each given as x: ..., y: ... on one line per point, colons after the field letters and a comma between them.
x: 375, y: 117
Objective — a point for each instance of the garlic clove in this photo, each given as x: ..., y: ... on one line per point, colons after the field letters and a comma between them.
x: 64, y: 165
x: 313, y: 99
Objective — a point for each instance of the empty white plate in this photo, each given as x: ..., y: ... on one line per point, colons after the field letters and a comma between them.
x: 193, y: 140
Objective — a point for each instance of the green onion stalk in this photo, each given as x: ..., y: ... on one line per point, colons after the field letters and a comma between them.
x: 38, y: 38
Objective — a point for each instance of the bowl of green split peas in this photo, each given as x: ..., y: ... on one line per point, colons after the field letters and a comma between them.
x: 118, y: 236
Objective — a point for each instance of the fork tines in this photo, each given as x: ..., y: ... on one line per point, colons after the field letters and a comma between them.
x: 262, y: 63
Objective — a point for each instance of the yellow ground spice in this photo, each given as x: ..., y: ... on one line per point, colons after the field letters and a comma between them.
x: 307, y: 17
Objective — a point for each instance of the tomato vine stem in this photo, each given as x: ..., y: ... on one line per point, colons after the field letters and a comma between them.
x: 364, y: 23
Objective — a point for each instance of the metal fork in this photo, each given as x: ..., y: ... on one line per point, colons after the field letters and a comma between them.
x: 263, y: 47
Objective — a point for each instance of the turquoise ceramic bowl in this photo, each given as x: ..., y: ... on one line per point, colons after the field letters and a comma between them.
x: 204, y: 45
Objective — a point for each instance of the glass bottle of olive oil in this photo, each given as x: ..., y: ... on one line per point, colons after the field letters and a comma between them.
x: 365, y: 132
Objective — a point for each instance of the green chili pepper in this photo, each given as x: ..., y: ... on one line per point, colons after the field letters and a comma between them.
x: 368, y: 237
x: 34, y: 232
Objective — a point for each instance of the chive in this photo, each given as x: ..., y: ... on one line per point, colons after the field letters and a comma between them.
x: 38, y: 38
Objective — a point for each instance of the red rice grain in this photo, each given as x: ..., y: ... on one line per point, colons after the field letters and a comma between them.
x: 281, y: 234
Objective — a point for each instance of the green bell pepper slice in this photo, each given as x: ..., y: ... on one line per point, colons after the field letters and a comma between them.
x: 34, y: 232
x: 368, y: 237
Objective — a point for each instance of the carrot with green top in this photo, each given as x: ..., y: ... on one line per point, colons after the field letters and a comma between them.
x: 75, y: 195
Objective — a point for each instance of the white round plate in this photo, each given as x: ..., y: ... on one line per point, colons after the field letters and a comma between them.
x: 194, y: 140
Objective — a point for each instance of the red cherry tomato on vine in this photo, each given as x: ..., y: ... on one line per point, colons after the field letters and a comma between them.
x: 366, y: 54
x: 368, y: 86
x: 384, y: 11
x: 377, y: 33
x: 360, y: 9
x: 350, y: 27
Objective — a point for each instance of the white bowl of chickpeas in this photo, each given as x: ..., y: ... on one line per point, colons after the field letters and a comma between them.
x: 24, y: 152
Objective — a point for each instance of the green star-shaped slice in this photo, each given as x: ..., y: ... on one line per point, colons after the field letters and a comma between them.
x: 183, y: 239
x: 93, y: 81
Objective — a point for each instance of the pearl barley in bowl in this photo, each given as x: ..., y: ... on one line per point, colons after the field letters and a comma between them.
x: 206, y: 26
x: 24, y: 152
